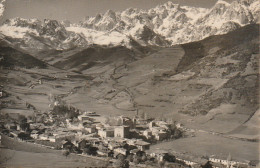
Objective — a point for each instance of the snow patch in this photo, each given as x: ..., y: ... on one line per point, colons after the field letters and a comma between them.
x: 2, y: 7
x: 16, y: 32
x: 99, y: 37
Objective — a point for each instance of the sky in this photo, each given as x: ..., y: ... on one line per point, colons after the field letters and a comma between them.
x: 76, y: 10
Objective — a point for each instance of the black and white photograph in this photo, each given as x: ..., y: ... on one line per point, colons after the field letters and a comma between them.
x: 129, y: 84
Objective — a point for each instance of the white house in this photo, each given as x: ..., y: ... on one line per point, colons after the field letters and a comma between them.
x: 90, y: 129
x: 159, y: 154
x: 120, y: 150
x: 104, y: 133
x: 34, y: 134
x: 147, y: 133
x: 43, y: 137
x: 187, y: 161
x: 122, y: 131
x: 227, y: 162
x: 52, y: 139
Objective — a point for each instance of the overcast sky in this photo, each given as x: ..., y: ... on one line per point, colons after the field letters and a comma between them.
x: 76, y: 10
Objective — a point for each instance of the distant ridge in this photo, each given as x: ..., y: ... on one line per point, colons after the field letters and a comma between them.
x: 165, y: 25
x: 11, y: 57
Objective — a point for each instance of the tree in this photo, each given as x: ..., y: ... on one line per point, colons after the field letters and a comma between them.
x: 120, y: 157
x: 130, y: 158
x: 87, y: 151
x: 145, y: 116
x: 144, y: 158
x: 30, y: 117
x: 170, y: 120
x: 107, y: 120
x: 25, y: 126
x: 177, y: 133
x: 66, y: 153
x: 207, y: 165
x: 24, y: 136
x: 39, y: 119
x: 172, y: 127
x: 22, y: 119
x: 142, y: 115
x: 82, y: 144
x: 164, y: 119
x: 119, y: 122
x: 121, y: 163
x: 93, y: 150
x: 136, y: 159
x: 169, y: 158
x: 51, y: 98
x: 161, y: 164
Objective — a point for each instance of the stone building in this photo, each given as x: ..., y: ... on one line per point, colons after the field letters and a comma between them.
x: 122, y: 131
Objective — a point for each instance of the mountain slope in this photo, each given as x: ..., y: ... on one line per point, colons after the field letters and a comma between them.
x: 197, y: 50
x: 11, y: 57
x: 94, y: 56
x: 211, y: 78
x: 213, y: 81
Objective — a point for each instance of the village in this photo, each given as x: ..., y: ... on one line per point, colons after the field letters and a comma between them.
x: 124, y: 141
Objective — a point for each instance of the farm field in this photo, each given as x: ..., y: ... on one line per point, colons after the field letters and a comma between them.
x: 204, y: 144
x: 12, y: 158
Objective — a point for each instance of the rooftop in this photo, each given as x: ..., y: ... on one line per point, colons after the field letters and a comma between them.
x: 142, y: 143
x: 134, y: 151
x: 193, y: 159
x: 158, y: 151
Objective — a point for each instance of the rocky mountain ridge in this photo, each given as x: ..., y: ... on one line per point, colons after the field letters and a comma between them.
x: 2, y: 7
x: 164, y: 25
x: 32, y: 33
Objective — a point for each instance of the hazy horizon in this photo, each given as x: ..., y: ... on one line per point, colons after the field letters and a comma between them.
x: 76, y: 10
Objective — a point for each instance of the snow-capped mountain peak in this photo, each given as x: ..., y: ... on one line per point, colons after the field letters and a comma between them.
x: 36, y: 34
x: 222, y: 2
x: 163, y: 25
x: 2, y: 7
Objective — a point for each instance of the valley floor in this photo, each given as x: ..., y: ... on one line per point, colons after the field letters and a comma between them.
x: 204, y: 144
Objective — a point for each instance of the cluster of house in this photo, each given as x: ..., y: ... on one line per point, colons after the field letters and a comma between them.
x: 218, y: 161
x: 212, y: 161
x: 130, y: 136
x: 153, y: 130
x: 91, y: 134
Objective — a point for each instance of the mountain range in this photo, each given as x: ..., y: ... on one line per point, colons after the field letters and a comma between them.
x: 165, y: 25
